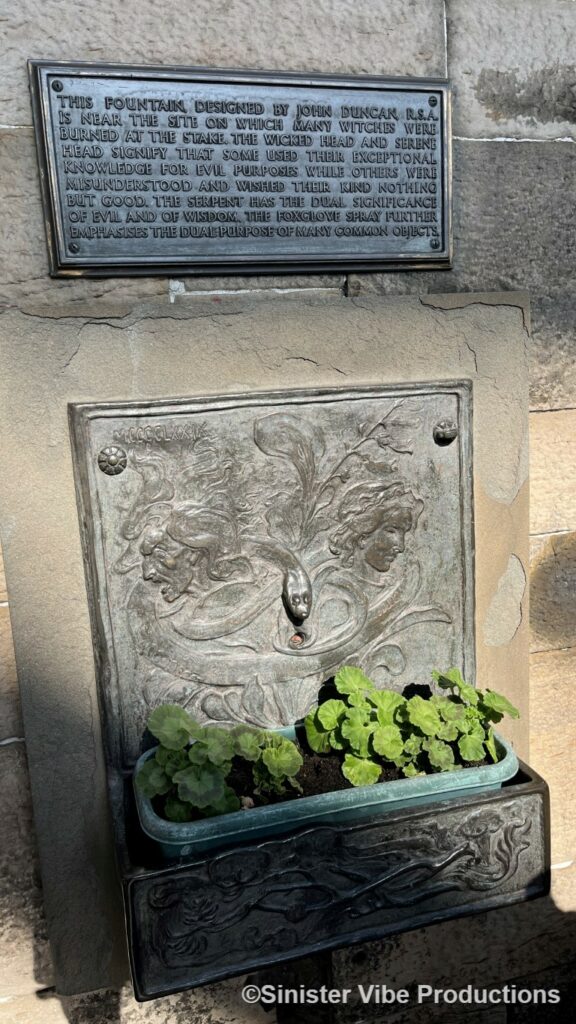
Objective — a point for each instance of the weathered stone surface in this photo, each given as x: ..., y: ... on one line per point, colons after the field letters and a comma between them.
x: 3, y: 594
x: 23, y: 241
x: 427, y: 1012
x: 552, y: 686
x: 552, y: 747
x: 10, y: 719
x: 504, y: 614
x: 487, y: 950
x: 386, y: 37
x: 563, y: 979
x: 553, y: 593
x: 511, y: 237
x: 553, y: 471
x: 505, y: 236
x: 553, y: 366
x: 213, y: 1004
x: 204, y: 347
x: 24, y: 953
x: 512, y: 65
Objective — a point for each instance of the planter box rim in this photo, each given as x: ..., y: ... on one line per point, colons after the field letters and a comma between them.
x: 322, y: 807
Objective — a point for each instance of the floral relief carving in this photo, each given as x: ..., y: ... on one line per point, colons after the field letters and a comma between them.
x: 287, y: 891
x: 269, y: 557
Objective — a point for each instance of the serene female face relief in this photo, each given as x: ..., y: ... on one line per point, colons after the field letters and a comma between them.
x: 374, y: 521
x: 388, y: 541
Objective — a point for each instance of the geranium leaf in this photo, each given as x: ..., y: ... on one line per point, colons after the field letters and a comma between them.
x: 424, y: 715
x: 247, y: 745
x: 387, y: 741
x: 173, y: 726
x: 440, y: 755
x: 330, y: 713
x: 318, y: 739
x: 200, y: 785
x: 284, y: 760
x: 499, y: 705
x: 352, y: 680
x: 471, y: 747
x: 357, y: 729
x: 360, y: 771
x: 176, y: 810
x: 152, y: 780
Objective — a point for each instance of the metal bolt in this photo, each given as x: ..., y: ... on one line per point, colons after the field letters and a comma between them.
x: 445, y: 432
x: 435, y: 243
x: 74, y: 247
x: 112, y: 460
x: 57, y: 85
x: 433, y: 101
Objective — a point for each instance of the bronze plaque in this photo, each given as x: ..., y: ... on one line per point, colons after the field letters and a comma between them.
x: 240, y: 549
x: 186, y: 170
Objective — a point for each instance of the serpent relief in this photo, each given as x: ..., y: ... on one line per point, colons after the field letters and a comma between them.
x: 266, y: 556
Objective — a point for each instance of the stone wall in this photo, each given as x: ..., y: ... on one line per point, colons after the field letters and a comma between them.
x: 514, y: 227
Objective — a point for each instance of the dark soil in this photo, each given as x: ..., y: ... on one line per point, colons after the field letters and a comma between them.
x: 320, y: 773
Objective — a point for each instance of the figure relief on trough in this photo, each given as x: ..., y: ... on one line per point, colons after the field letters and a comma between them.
x: 257, y: 550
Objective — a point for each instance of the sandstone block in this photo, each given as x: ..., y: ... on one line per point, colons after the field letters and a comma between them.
x: 511, y: 237
x: 23, y: 241
x: 552, y: 748
x: 512, y: 65
x: 553, y: 471
x: 10, y: 719
x: 3, y: 594
x: 553, y: 593
x: 374, y: 37
x: 24, y: 952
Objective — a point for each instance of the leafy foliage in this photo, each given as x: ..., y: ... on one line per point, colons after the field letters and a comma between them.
x: 372, y: 728
x: 191, y: 766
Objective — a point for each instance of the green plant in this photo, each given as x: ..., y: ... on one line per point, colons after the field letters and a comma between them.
x: 371, y: 727
x: 191, y: 766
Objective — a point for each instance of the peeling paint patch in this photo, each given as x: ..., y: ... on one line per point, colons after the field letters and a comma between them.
x: 544, y: 96
x: 505, y: 612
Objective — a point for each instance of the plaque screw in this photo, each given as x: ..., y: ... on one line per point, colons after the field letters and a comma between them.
x: 434, y: 243
x: 57, y: 85
x: 112, y: 460
x: 433, y: 101
x: 445, y: 432
x: 74, y: 247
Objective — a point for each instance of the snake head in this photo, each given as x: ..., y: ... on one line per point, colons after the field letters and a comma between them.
x: 297, y: 593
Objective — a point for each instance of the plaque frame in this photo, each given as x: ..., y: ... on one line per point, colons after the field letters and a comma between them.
x: 62, y: 264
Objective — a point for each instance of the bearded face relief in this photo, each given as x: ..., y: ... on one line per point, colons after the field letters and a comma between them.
x: 167, y: 562
x: 192, y: 546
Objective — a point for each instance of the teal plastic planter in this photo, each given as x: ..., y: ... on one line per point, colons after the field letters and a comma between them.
x: 177, y: 839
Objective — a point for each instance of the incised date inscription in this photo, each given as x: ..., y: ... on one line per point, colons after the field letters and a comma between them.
x: 198, y: 168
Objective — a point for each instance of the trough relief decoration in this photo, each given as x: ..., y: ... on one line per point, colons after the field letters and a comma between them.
x: 247, y: 556
x: 282, y: 894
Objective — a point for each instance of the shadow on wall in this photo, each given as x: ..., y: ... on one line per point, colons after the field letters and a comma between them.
x: 528, y: 946
x: 553, y: 594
